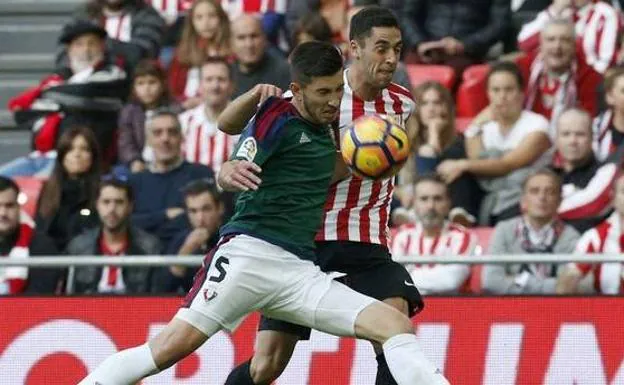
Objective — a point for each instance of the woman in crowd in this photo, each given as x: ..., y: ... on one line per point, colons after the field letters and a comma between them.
x: 206, y: 34
x: 504, y: 144
x: 149, y: 92
x: 609, y: 126
x: 66, y: 203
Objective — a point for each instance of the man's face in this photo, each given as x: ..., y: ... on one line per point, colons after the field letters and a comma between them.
x: 504, y: 94
x: 165, y: 139
x: 85, y: 51
x: 431, y: 204
x: 557, y: 47
x: 113, y: 207
x: 574, y: 137
x: 541, y: 198
x: 216, y: 85
x: 248, y: 40
x: 378, y: 54
x: 204, y: 212
x: 321, y: 97
x: 9, y: 212
x: 618, y: 195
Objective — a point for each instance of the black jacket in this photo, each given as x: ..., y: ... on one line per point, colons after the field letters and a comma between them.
x: 478, y: 24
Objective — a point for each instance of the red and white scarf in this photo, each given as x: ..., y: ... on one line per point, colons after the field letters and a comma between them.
x: 13, y: 278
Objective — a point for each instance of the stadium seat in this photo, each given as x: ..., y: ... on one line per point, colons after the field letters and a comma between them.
x: 471, y: 96
x: 420, y: 73
x: 30, y: 189
x: 483, y: 235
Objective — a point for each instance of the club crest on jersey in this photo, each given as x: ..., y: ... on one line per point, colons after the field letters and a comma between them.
x: 209, y: 294
x: 248, y: 149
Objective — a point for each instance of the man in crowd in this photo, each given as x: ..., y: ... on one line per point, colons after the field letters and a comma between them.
x: 536, y: 231
x: 607, y: 237
x: 556, y: 77
x: 433, y: 235
x: 204, y: 210
x: 204, y: 143
x: 159, y: 207
x: 114, y: 237
x: 255, y: 63
x: 597, y: 24
x: 18, y: 240
x: 587, y: 183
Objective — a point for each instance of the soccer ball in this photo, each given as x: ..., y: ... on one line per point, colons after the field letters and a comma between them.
x: 375, y: 147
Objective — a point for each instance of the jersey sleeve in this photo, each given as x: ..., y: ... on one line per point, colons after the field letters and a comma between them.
x: 264, y: 132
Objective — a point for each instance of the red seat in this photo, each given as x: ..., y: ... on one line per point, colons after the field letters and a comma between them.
x: 471, y: 94
x: 483, y: 235
x: 30, y: 189
x: 420, y: 73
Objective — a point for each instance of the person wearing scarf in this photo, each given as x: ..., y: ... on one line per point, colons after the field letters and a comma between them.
x: 18, y: 240
x: 537, y: 230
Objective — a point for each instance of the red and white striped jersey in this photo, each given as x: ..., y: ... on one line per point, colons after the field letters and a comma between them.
x: 235, y: 8
x: 170, y: 9
x: 605, y: 238
x: 358, y: 209
x: 597, y: 26
x: 203, y: 142
x: 119, y: 27
x: 433, y: 278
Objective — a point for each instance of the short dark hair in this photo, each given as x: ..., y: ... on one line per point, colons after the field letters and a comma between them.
x: 200, y: 186
x: 368, y: 18
x: 315, y: 25
x: 546, y: 172
x: 432, y: 177
x: 163, y: 111
x: 313, y: 59
x: 219, y: 60
x: 508, y: 67
x: 8, y: 184
x: 118, y: 183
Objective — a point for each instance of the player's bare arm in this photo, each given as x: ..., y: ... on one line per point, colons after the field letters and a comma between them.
x: 234, y: 118
x: 341, y: 171
x: 239, y: 175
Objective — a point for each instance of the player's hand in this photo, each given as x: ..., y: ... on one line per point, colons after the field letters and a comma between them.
x: 239, y: 175
x: 265, y: 91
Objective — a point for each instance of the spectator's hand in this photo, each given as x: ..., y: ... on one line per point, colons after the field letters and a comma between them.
x: 239, y: 175
x: 265, y: 91
x: 173, y: 212
x: 426, y: 49
x: 196, y: 239
x: 137, y: 166
x: 450, y: 170
x: 192, y: 102
x: 452, y: 46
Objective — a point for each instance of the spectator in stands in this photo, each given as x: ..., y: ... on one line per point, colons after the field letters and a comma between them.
x: 254, y: 63
x: 598, y: 28
x: 272, y: 14
x: 587, y: 183
x: 19, y: 240
x: 455, y: 33
x: 114, y: 236
x: 312, y: 26
x: 204, y: 143
x: 608, y: 238
x: 504, y: 144
x: 174, y: 13
x: 334, y: 12
x: 135, y: 29
x: 609, y: 126
x: 149, y: 92
x: 67, y: 201
x: 206, y: 34
x: 433, y: 235
x: 204, y: 209
x: 537, y: 230
x: 158, y: 208
x: 556, y: 77
x: 89, y: 91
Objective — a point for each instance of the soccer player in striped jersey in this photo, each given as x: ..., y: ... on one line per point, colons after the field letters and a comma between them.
x: 353, y: 238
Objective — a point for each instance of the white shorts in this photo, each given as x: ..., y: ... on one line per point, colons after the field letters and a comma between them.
x: 248, y: 274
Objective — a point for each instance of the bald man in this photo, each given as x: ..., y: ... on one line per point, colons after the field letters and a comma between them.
x: 586, y: 182
x: 255, y: 62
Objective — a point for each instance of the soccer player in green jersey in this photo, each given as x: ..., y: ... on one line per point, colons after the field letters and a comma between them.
x: 262, y: 261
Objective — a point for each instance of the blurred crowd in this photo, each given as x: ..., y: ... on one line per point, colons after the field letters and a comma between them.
x: 518, y: 149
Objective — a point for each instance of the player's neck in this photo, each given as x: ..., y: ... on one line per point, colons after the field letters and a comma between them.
x: 303, y: 112
x: 360, y: 86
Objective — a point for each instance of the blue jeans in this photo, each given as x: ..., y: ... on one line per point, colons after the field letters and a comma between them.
x: 36, y: 166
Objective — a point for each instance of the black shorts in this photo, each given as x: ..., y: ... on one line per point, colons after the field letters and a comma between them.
x: 370, y: 270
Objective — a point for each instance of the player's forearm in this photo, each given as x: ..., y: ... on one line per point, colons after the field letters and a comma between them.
x: 341, y: 171
x: 233, y: 119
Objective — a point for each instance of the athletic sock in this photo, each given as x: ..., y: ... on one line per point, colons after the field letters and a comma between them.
x: 408, y: 363
x: 240, y: 375
x: 384, y: 377
x: 123, y: 368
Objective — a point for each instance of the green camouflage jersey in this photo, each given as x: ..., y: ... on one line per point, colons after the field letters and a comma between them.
x: 297, y: 160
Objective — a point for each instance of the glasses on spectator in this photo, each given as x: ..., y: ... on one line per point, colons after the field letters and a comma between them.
x: 114, y: 178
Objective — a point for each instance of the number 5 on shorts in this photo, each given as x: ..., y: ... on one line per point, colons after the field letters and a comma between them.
x: 220, y: 274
